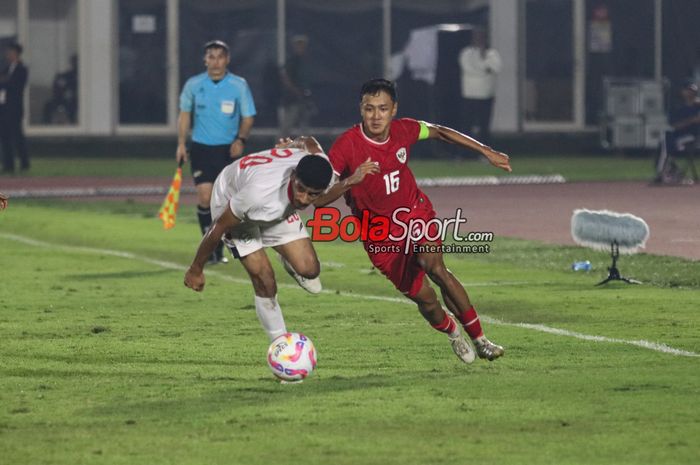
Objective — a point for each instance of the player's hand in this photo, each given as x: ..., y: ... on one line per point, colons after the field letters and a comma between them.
x: 497, y: 159
x: 284, y: 143
x: 236, y: 149
x: 3, y: 201
x: 181, y: 154
x: 194, y: 280
x: 367, y: 167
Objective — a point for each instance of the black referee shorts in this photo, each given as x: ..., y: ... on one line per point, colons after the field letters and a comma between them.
x: 207, y: 161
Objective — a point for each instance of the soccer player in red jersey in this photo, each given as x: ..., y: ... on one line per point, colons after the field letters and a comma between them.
x: 371, y: 161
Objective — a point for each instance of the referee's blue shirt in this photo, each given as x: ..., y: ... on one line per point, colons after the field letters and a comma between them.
x: 217, y: 107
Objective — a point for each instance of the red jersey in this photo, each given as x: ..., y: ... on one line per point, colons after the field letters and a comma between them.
x: 394, y: 186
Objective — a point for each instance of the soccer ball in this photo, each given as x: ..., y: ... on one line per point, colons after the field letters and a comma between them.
x: 291, y: 356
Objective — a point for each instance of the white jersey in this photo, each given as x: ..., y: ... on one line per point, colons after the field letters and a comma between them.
x: 257, y: 188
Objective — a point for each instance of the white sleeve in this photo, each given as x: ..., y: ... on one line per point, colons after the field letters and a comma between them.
x: 246, y: 207
x: 471, y: 62
x: 334, y: 180
x: 493, y: 61
x: 464, y: 59
x: 231, y: 185
x: 239, y: 205
x: 240, y: 201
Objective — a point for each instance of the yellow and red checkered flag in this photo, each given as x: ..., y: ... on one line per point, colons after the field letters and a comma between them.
x: 168, y: 210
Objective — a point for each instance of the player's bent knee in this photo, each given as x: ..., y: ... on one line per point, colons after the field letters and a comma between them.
x: 310, y: 272
x: 309, y: 269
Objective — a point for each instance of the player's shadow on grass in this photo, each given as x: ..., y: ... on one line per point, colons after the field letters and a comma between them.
x: 245, y: 392
x: 116, y: 275
x: 131, y: 362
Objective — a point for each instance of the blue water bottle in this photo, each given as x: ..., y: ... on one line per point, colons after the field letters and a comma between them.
x: 581, y: 266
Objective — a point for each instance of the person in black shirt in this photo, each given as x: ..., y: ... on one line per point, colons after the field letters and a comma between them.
x: 13, y: 80
x: 685, y: 123
x: 297, y: 103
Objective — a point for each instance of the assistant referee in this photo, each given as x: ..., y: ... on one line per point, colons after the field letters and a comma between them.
x: 224, y: 111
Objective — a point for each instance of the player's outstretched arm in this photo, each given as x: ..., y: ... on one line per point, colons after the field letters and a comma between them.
x: 284, y: 143
x: 311, y: 145
x: 338, y: 189
x: 3, y: 201
x: 194, y: 277
x: 496, y: 158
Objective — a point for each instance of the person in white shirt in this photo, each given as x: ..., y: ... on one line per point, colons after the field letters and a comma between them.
x: 479, y: 65
x: 254, y: 204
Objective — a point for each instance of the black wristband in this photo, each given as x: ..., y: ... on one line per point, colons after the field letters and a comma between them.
x: 242, y: 139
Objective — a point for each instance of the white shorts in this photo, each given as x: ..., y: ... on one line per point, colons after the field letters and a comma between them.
x: 249, y: 237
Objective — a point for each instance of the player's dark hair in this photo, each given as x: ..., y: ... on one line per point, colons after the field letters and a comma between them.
x: 216, y: 44
x: 314, y: 171
x: 375, y: 86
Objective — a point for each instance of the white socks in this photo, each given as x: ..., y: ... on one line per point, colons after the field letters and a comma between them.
x: 270, y: 316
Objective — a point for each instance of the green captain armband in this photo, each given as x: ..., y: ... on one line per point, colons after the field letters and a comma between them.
x: 424, y: 131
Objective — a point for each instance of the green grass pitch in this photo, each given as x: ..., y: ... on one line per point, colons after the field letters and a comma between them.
x: 605, y: 167
x: 106, y: 358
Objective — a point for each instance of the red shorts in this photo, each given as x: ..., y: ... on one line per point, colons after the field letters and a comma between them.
x: 397, y: 263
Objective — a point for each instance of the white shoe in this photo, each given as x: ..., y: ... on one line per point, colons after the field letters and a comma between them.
x: 461, y: 347
x: 312, y: 286
x: 488, y: 350
x: 215, y: 260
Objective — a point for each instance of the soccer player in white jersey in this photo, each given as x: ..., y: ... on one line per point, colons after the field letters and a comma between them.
x: 254, y: 205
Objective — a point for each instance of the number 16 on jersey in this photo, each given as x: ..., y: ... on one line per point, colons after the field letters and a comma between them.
x: 391, y: 181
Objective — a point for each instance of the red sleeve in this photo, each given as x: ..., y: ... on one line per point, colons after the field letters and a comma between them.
x: 409, y: 130
x: 339, y: 153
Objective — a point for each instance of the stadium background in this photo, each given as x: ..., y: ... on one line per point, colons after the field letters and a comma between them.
x: 134, y: 55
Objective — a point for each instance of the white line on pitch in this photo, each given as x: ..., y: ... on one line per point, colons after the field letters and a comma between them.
x: 657, y: 347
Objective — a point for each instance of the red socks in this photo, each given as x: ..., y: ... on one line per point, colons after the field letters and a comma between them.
x: 447, y: 326
x: 470, y: 323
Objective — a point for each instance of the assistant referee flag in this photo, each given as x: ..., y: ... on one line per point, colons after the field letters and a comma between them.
x: 168, y: 210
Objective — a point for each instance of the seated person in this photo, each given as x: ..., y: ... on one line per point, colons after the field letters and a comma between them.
x: 62, y: 107
x: 685, y: 121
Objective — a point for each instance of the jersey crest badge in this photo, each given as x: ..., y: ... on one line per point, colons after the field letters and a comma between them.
x: 401, y: 155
